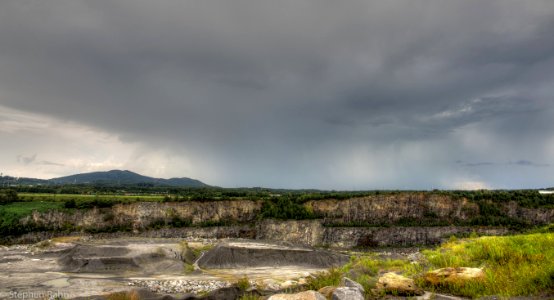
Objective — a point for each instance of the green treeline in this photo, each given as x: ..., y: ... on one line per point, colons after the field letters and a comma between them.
x: 525, y: 198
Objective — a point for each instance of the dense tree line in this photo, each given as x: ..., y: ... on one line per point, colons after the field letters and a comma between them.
x: 526, y: 198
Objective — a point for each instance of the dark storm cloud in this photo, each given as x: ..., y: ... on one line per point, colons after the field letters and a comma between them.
x: 522, y: 162
x: 529, y: 163
x: 296, y: 93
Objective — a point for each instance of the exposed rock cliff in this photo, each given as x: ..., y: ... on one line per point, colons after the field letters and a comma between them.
x: 388, y: 209
x: 391, y: 219
x: 315, y: 234
x: 141, y: 215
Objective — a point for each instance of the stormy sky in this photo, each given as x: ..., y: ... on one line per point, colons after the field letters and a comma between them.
x: 294, y: 94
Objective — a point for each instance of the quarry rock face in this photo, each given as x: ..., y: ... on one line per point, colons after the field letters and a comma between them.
x: 387, y: 208
x: 289, y: 231
x: 383, y: 219
x: 348, y: 237
x: 307, y: 232
x: 141, y: 215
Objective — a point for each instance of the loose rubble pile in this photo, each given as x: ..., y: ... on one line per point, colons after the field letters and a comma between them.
x: 180, y: 286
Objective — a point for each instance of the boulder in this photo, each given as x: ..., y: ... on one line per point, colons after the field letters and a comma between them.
x: 327, y: 291
x: 307, y: 295
x: 227, y: 293
x: 397, y: 284
x: 454, y: 275
x: 271, y: 285
x: 347, y: 282
x: 347, y: 293
x: 288, y: 284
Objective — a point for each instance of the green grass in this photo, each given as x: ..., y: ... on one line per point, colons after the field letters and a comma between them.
x: 331, y: 277
x: 250, y: 296
x: 86, y: 201
x: 26, y: 208
x: 516, y: 265
x: 66, y: 197
x: 10, y: 214
x: 188, y: 268
x: 364, y: 269
x: 243, y: 283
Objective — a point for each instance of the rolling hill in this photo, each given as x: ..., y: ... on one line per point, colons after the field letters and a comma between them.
x: 111, y: 178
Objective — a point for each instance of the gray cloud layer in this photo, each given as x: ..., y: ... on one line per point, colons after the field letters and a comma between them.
x: 326, y: 94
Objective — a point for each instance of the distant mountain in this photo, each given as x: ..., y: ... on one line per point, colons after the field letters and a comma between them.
x: 10, y: 180
x: 111, y: 178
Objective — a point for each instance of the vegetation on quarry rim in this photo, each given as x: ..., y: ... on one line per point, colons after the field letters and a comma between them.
x: 17, y: 203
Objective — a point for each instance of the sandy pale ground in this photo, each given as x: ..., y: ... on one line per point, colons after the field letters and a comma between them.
x: 86, y: 268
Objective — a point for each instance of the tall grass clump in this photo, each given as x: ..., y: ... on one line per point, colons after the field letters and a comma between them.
x: 331, y: 277
x: 516, y: 265
x: 364, y: 269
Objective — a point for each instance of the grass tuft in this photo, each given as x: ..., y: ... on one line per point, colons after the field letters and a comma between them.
x: 331, y: 277
x: 516, y: 265
x: 243, y: 283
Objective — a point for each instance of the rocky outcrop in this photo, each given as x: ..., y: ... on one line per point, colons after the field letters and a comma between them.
x: 456, y: 276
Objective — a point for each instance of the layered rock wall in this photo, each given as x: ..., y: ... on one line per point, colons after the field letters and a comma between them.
x: 378, y: 220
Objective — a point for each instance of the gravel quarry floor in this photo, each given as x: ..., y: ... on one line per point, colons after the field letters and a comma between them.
x: 80, y: 267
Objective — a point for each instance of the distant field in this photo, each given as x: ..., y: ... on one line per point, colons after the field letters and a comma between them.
x: 77, y: 197
x: 20, y: 209
x: 10, y: 214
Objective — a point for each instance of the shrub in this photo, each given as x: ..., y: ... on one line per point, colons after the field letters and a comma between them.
x: 243, y: 284
x: 8, y: 196
x: 285, y: 208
